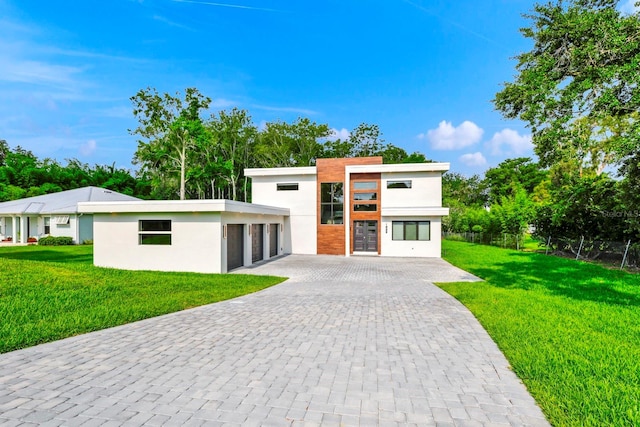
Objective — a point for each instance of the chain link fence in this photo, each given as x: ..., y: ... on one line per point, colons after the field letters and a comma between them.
x: 503, y: 240
x: 619, y: 254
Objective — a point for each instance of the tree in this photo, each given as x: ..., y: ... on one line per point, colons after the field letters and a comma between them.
x: 237, y: 135
x: 514, y: 212
x: 460, y: 190
x: 284, y: 144
x: 521, y: 172
x: 579, y: 87
x: 169, y: 127
x: 366, y: 140
x: 4, y: 150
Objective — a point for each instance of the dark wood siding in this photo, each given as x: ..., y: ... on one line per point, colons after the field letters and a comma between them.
x: 331, y: 239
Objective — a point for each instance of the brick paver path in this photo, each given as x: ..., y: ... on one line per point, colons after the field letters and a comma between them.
x: 344, y: 342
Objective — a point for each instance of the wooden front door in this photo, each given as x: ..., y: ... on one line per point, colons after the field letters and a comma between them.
x: 365, y: 236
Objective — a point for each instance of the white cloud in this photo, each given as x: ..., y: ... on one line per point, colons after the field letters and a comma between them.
x: 284, y: 109
x: 336, y: 134
x: 171, y: 23
x: 447, y: 137
x: 510, y: 142
x: 630, y: 7
x: 88, y: 148
x: 223, y: 103
x: 473, y: 159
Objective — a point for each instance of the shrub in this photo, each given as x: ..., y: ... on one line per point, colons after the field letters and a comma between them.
x: 55, y: 241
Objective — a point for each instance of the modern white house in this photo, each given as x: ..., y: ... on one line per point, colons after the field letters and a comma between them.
x: 56, y: 214
x: 355, y: 206
x: 358, y: 206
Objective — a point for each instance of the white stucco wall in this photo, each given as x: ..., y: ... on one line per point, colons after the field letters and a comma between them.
x: 195, y: 243
x: 301, y: 203
x: 198, y: 243
x: 411, y: 248
x: 426, y: 189
x: 66, y: 230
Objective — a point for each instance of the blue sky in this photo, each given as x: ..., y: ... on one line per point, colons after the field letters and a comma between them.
x: 424, y: 71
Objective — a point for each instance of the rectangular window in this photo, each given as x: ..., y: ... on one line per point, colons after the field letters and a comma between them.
x: 331, y: 203
x: 365, y: 207
x: 411, y: 230
x: 155, y: 239
x: 399, y: 184
x: 365, y: 196
x: 154, y: 225
x: 292, y: 186
x: 47, y: 225
x: 154, y: 232
x: 365, y: 185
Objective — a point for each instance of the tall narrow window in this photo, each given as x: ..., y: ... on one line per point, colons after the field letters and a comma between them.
x: 331, y: 203
x: 154, y: 232
x: 47, y: 225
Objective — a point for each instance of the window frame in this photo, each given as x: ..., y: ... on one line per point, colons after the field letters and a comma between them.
x: 158, y: 235
x: 365, y: 185
x: 287, y: 186
x: 336, y: 198
x: 365, y: 207
x: 357, y: 197
x: 396, y: 184
x: 419, y: 224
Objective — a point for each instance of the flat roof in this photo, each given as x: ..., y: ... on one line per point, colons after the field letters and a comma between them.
x: 399, y: 167
x: 420, y: 211
x: 175, y: 206
x: 306, y: 170
x: 374, y: 168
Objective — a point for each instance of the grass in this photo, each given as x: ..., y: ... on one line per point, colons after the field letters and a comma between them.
x: 570, y: 330
x: 49, y: 293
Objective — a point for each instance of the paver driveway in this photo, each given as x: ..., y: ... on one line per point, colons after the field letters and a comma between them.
x: 346, y: 341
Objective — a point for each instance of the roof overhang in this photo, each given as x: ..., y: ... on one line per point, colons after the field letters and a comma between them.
x: 255, y: 172
x: 180, y: 206
x: 415, y: 211
x: 399, y: 167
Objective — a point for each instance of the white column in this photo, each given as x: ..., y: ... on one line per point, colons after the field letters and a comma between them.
x: 265, y: 241
x: 14, y: 229
x: 23, y: 229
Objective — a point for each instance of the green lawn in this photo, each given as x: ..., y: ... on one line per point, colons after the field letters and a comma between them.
x: 48, y: 293
x: 571, y: 330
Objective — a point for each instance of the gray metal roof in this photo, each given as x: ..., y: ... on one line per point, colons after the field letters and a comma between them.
x: 64, y: 202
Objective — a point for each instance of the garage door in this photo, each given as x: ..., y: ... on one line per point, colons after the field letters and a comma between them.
x: 273, y: 240
x: 257, y: 243
x: 235, y: 246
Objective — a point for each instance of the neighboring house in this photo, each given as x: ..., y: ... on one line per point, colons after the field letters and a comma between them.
x: 355, y: 206
x: 55, y: 214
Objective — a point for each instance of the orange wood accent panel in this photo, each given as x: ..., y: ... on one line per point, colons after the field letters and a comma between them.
x: 331, y: 240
